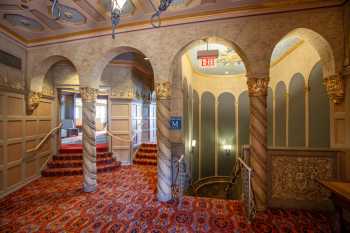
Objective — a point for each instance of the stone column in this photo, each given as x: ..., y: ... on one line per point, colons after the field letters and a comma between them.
x: 89, y: 96
x: 163, y: 141
x: 257, y: 88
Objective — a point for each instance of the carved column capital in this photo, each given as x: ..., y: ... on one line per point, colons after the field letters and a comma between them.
x: 335, y: 88
x: 88, y: 94
x: 163, y: 90
x: 257, y: 86
x: 33, y: 100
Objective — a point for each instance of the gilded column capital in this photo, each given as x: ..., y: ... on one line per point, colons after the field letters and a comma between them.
x: 335, y: 88
x: 88, y: 94
x: 33, y: 100
x: 163, y: 90
x: 257, y: 86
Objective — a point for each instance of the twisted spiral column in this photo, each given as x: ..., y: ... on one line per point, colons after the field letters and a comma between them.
x: 258, y: 139
x: 89, y: 96
x: 163, y: 142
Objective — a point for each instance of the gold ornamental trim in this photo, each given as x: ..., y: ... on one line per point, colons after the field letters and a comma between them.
x: 335, y: 88
x: 33, y: 101
x: 88, y: 94
x: 163, y: 90
x: 257, y: 86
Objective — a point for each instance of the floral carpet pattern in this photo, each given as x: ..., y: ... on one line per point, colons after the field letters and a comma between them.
x: 126, y: 202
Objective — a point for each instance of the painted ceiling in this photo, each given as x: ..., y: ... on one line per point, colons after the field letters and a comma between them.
x: 31, y: 21
x: 229, y: 62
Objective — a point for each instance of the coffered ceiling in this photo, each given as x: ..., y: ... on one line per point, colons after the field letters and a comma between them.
x: 30, y: 20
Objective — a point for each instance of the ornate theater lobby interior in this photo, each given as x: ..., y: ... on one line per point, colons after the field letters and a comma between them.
x: 157, y: 116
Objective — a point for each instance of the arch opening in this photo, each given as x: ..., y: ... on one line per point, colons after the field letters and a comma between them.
x: 299, y: 63
x: 212, y: 73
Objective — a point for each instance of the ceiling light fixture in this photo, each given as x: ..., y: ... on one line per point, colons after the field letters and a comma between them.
x: 55, y: 9
x: 163, y: 6
x: 116, y: 10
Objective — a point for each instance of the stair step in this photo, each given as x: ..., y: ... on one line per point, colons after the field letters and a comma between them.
x: 48, y: 172
x: 146, y: 156
x: 79, y: 156
x: 148, y: 150
x: 145, y: 161
x: 76, y: 163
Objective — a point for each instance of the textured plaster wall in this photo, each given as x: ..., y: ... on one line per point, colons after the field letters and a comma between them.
x: 255, y: 36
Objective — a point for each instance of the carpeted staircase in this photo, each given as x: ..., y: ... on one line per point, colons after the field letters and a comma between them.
x: 146, y: 154
x: 69, y: 161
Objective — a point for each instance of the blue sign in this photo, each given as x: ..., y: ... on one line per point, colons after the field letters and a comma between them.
x: 175, y: 123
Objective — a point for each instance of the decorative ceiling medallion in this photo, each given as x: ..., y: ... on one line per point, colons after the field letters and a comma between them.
x: 23, y: 22
x: 71, y: 15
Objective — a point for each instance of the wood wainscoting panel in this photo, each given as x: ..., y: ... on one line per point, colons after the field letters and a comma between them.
x: 1, y: 155
x: 31, y: 128
x: 45, y: 148
x: 30, y: 168
x: 339, y: 131
x: 14, y: 175
x: 14, y: 129
x: 120, y: 125
x: 15, y: 106
x: 30, y: 144
x: 121, y: 110
x: 1, y: 180
x: 44, y: 127
x: 1, y: 104
x: 1, y: 130
x: 44, y: 109
x: 42, y: 160
x: 14, y: 152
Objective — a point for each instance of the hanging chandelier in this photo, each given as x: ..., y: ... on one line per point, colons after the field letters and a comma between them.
x: 55, y: 9
x: 116, y: 10
x: 163, y: 6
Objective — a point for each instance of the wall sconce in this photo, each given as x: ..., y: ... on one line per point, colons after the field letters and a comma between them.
x: 193, y: 144
x: 227, y: 149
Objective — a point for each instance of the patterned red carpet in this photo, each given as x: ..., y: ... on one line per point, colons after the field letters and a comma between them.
x: 126, y: 202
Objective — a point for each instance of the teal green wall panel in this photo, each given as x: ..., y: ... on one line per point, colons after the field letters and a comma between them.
x: 269, y: 117
x: 195, y: 132
x: 296, y: 120
x: 281, y: 114
x: 208, y: 134
x: 227, y: 133
x: 319, y: 135
x: 243, y: 118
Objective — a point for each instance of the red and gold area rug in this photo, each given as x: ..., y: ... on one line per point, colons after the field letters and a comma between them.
x: 126, y: 202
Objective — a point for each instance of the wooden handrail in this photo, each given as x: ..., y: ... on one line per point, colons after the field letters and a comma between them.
x: 118, y: 138
x: 44, y: 139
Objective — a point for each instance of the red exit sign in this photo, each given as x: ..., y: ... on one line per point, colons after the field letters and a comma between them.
x: 208, y: 62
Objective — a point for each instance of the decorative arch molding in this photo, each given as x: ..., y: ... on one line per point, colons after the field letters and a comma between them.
x: 319, y: 43
x: 40, y: 70
x: 183, y: 45
x: 102, y: 59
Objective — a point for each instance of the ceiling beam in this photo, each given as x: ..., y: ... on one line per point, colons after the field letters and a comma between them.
x: 143, y: 5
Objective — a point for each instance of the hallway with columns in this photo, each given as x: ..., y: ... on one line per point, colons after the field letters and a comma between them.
x: 174, y: 116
